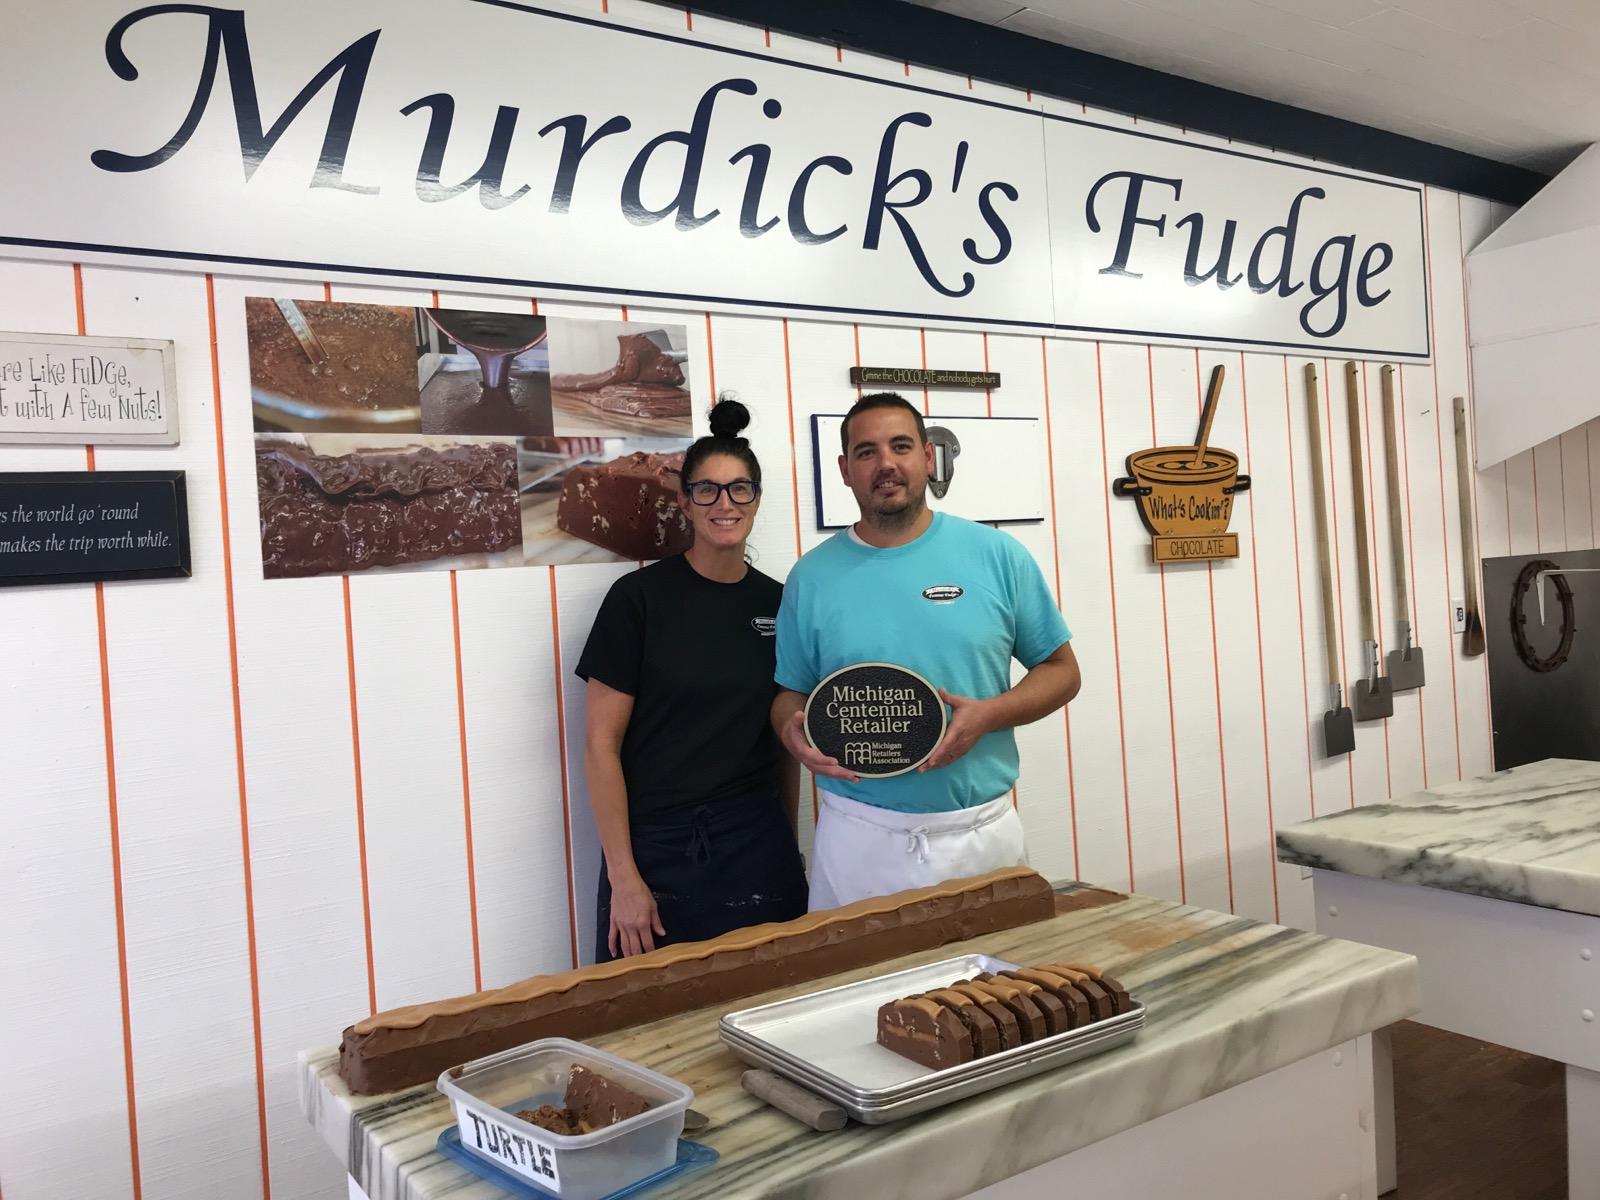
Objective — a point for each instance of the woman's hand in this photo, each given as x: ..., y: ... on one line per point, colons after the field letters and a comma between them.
x: 633, y: 918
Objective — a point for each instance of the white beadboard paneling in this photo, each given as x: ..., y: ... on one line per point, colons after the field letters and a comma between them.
x: 1549, y: 485
x: 1142, y: 638
x: 1577, y: 513
x: 1186, y: 589
x: 1471, y: 677
x: 1236, y: 667
x: 1045, y: 789
x: 1269, y: 520
x: 1082, y: 476
x: 578, y: 592
x: 172, y: 708
x: 61, y: 1028
x: 1522, y: 514
x: 311, y: 943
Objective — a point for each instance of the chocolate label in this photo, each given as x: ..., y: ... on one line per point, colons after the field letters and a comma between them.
x: 877, y: 719
x: 505, y: 1147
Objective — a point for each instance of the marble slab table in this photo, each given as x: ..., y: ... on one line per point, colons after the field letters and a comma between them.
x: 1253, y: 1076
x: 1494, y: 884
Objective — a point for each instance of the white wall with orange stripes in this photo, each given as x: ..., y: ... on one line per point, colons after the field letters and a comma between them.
x: 240, y: 815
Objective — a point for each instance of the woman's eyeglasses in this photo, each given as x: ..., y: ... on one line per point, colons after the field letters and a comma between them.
x: 705, y: 493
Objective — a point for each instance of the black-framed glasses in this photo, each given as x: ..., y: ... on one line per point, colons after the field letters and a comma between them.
x: 706, y: 493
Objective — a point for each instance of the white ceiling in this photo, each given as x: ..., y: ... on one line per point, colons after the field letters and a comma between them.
x: 1517, y: 81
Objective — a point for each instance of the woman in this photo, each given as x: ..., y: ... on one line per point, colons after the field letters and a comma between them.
x: 694, y: 800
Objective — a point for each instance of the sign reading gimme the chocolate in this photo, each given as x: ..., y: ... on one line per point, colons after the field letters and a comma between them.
x: 876, y: 719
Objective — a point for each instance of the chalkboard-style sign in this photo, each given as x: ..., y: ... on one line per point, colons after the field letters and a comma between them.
x: 85, y: 526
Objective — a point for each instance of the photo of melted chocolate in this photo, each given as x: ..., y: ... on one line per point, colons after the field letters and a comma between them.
x: 619, y: 377
x: 497, y: 381
x: 357, y: 370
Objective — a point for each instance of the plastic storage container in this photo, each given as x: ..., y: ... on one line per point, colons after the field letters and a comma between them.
x: 488, y: 1092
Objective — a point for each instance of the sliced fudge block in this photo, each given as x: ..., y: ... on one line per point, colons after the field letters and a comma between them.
x: 1031, y: 1021
x: 1059, y: 1015
x: 1010, y: 1027
x: 986, y: 1037
x: 925, y: 1031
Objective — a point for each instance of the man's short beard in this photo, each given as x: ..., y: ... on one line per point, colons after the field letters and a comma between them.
x: 908, y: 512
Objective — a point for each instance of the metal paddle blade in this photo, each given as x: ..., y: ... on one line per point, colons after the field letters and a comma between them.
x: 1338, y: 732
x: 1405, y: 669
x: 1473, y: 642
x: 1374, y: 699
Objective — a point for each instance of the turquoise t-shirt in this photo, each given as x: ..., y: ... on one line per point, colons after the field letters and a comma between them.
x: 845, y: 602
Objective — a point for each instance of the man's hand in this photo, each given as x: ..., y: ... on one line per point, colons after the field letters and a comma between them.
x: 633, y: 918
x: 807, y: 755
x: 970, y: 719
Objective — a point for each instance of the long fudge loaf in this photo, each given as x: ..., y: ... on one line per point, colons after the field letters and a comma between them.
x: 628, y: 505
x: 406, y: 1046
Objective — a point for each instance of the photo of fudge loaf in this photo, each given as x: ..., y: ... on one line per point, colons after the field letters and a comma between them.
x: 629, y: 506
x: 972, y: 1018
x: 412, y: 1045
x: 365, y: 507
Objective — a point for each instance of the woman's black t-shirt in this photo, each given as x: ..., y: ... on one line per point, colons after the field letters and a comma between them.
x: 697, y: 656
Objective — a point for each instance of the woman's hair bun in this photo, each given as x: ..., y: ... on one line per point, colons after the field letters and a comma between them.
x: 728, y: 417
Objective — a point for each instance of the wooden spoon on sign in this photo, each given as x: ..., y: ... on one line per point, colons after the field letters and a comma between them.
x: 1207, y: 415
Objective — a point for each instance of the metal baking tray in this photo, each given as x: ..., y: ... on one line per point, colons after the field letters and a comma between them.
x: 827, y: 1042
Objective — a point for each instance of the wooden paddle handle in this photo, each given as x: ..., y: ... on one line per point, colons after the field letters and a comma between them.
x: 1319, y: 497
x: 1469, y: 545
x: 1391, y: 461
x: 788, y: 1097
x: 1358, y: 480
x: 1208, y: 415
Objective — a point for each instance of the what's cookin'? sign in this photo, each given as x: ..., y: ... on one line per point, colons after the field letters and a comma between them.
x: 492, y: 146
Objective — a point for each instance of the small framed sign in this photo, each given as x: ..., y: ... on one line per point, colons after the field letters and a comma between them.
x: 82, y: 390
x: 88, y: 526
x: 923, y: 377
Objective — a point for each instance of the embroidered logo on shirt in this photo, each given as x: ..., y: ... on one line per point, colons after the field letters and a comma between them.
x: 943, y: 593
x: 765, y: 626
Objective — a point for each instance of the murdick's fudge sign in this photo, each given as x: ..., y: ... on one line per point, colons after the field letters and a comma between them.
x: 876, y: 719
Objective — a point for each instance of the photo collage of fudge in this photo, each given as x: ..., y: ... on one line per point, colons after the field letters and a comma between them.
x: 401, y: 439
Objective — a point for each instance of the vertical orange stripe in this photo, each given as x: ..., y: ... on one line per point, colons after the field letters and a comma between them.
x: 688, y: 20
x: 1588, y: 449
x: 561, y: 743
x: 794, y: 458
x: 988, y: 397
x: 767, y: 33
x: 711, y: 358
x: 238, y: 746
x: 838, y: 53
x: 1299, y: 595
x: 533, y: 303
x: 855, y: 331
x: 1055, y: 548
x: 624, y: 312
x: 466, y: 784
x: 908, y: 70
x: 1561, y: 464
x: 1261, y: 655
x: 1338, y: 567
x: 115, y: 823
x: 1166, y: 644
x: 1116, y: 638
x: 1411, y: 558
x: 794, y: 487
x: 1377, y: 574
x: 1216, y: 676
x: 361, y: 803
x: 1438, y: 437
x: 922, y: 340
x: 327, y: 292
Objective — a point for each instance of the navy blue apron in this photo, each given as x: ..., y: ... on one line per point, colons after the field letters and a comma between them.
x: 713, y: 868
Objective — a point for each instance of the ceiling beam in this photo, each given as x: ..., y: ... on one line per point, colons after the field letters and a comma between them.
x: 929, y: 38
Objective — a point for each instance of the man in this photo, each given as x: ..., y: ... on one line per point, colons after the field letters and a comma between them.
x: 863, y: 596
